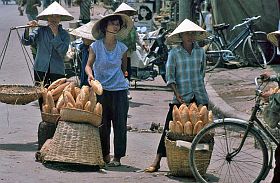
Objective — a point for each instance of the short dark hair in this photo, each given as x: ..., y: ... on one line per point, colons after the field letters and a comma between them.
x: 209, y: 7
x: 104, y: 22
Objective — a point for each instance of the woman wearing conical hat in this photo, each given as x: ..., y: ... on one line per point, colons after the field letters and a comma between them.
x: 52, y: 44
x: 107, y: 63
x: 185, y: 70
x: 84, y: 32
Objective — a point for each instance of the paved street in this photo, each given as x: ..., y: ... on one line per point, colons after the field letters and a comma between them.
x: 18, y: 124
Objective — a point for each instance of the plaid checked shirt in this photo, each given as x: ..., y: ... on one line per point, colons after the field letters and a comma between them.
x: 187, y: 72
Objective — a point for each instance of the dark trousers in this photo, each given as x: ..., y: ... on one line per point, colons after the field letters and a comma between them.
x: 161, y: 147
x: 47, y: 79
x: 276, y: 176
x: 115, y: 108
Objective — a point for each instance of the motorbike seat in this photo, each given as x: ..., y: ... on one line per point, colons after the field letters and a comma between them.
x: 221, y: 26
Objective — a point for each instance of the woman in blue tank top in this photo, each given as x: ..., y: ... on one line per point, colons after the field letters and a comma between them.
x: 108, y: 58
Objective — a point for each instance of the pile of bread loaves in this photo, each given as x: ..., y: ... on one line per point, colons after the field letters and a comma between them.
x: 64, y: 94
x: 190, y: 119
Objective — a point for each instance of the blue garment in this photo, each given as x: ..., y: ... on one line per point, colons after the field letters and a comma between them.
x: 51, y: 49
x: 107, y: 66
x: 84, y: 55
x: 187, y: 72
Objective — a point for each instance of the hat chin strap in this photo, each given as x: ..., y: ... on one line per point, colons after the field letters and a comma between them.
x: 111, y: 32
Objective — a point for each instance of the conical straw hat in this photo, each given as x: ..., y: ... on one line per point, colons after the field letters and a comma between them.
x: 84, y: 31
x: 186, y: 26
x: 126, y: 9
x: 123, y: 32
x: 55, y: 9
x: 272, y: 37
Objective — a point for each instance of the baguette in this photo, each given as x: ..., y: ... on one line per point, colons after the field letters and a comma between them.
x: 97, y: 87
x: 176, y: 114
x: 203, y: 115
x: 171, y: 126
x: 197, y: 127
x: 179, y: 127
x: 49, y: 100
x: 60, y: 88
x: 98, y: 109
x: 185, y: 115
x: 56, y: 83
x: 188, y: 128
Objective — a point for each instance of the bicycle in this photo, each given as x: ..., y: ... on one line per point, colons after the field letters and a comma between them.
x: 253, y: 45
x: 235, y: 157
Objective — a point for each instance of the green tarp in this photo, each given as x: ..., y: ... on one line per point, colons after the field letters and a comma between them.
x: 233, y: 11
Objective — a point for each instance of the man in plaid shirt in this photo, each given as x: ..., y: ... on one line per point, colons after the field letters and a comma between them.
x: 185, y: 71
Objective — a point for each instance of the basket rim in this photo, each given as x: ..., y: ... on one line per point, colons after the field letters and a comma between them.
x: 37, y: 89
x: 80, y: 110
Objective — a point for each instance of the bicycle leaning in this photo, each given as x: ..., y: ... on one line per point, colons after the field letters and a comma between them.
x: 235, y: 157
x: 255, y: 47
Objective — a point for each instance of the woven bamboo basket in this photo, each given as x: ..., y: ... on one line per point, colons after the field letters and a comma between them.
x: 74, y: 143
x: 80, y: 116
x: 50, y: 118
x: 178, y: 159
x: 19, y: 94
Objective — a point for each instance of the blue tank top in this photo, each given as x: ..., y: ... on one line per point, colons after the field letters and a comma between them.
x: 107, y: 66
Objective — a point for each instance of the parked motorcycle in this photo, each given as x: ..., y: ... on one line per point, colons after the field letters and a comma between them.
x: 149, y: 65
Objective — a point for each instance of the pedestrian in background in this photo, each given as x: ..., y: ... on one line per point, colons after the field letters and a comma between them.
x: 52, y: 44
x: 185, y: 71
x: 84, y: 32
x: 271, y: 114
x: 46, y: 3
x: 131, y: 40
x: 31, y: 8
x: 108, y: 59
x: 85, y: 6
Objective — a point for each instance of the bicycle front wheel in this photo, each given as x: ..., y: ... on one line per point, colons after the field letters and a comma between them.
x: 246, y: 165
x: 212, y: 59
x: 253, y: 52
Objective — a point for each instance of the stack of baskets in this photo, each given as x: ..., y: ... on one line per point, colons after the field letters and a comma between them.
x: 178, y: 156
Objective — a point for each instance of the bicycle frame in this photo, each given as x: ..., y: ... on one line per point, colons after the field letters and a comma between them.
x: 265, y: 133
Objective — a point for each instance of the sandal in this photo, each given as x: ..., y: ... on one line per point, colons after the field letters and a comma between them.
x: 152, y: 169
x: 114, y: 163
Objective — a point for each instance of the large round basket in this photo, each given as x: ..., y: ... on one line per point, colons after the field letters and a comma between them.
x: 178, y: 160
x: 50, y: 118
x: 74, y: 143
x: 80, y: 116
x: 19, y: 94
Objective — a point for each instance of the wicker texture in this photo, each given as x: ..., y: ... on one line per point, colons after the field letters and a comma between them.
x: 78, y: 115
x: 50, y: 118
x: 75, y: 143
x: 178, y: 159
x: 19, y: 94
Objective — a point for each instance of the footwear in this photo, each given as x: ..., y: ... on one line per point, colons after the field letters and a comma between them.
x: 152, y: 169
x: 129, y: 97
x: 114, y: 163
x: 107, y: 159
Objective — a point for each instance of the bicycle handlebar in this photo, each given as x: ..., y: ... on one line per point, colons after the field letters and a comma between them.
x: 247, y: 21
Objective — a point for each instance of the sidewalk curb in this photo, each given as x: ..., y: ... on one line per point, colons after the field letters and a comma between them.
x: 220, y: 108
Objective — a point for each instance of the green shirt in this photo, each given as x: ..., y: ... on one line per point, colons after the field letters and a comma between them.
x: 30, y: 9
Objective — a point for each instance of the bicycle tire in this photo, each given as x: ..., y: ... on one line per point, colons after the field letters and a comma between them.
x: 268, y: 48
x: 220, y: 169
x: 253, y: 52
x: 212, y: 59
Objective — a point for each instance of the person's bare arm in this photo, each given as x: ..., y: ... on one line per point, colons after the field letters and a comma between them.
x: 176, y: 93
x: 124, y: 62
x: 88, y: 68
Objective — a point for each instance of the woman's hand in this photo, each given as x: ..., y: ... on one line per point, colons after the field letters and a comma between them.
x: 179, y: 98
x: 54, y: 28
x: 90, y: 77
x: 33, y: 23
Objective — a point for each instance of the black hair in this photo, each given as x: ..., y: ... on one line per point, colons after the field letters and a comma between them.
x: 149, y: 14
x: 104, y: 23
x: 209, y: 7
